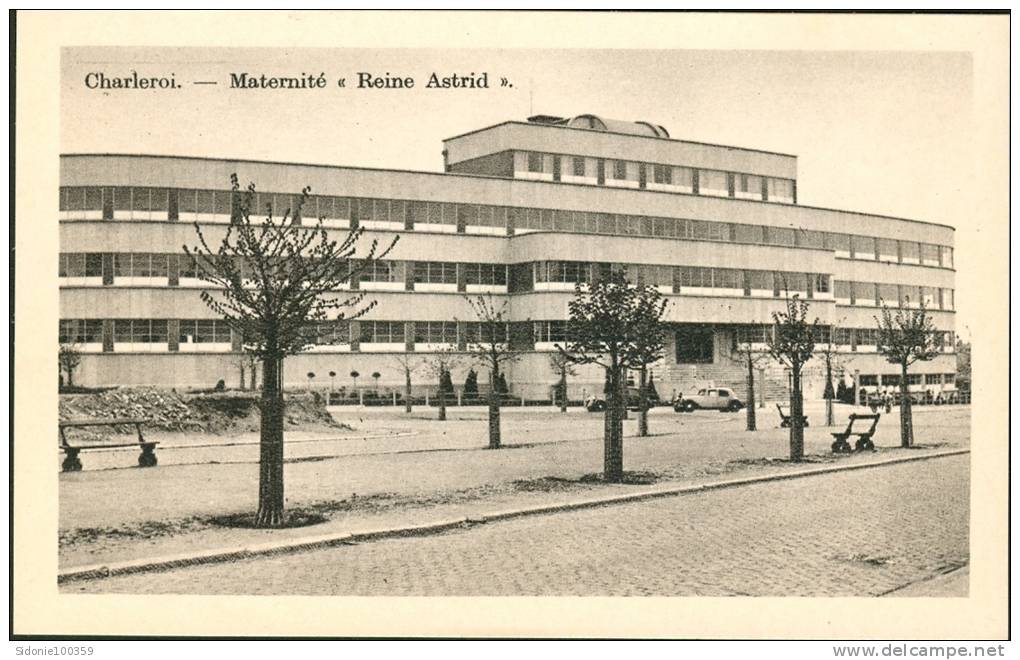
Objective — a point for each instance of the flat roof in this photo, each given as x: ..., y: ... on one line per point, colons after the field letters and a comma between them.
x: 495, y: 178
x: 627, y: 135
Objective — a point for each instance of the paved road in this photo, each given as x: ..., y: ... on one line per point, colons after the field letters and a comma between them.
x: 858, y: 533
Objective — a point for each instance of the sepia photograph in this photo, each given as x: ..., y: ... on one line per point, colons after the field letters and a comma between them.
x: 518, y: 322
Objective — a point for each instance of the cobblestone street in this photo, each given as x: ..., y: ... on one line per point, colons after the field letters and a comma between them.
x: 861, y: 533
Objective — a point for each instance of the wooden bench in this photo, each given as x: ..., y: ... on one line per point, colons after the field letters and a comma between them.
x: 73, y: 464
x: 842, y: 444
x: 785, y: 421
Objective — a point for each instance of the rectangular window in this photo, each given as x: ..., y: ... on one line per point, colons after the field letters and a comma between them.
x: 810, y: 239
x: 577, y: 166
x: 840, y: 243
x: 889, y: 294
x: 820, y: 283
x: 549, y: 332
x: 707, y: 230
x: 911, y: 251
x: 863, y: 247
x: 932, y: 379
x: 842, y: 336
x: 435, y: 272
x: 663, y: 174
x: 435, y: 332
x: 929, y: 254
x: 93, y: 264
x: 619, y: 169
x: 382, y: 332
x: 485, y: 274
x: 843, y: 290
x: 868, y: 380
x: 713, y: 182
x: 81, y: 331
x: 534, y: 162
x: 727, y: 278
x: 204, y: 331
x: 328, y: 333
x: 864, y: 293
x: 947, y: 257
x: 748, y: 234
x: 781, y: 236
x: 888, y: 250
x: 780, y: 190
x: 747, y: 186
x: 760, y: 280
x: 383, y: 271
x: 947, y: 299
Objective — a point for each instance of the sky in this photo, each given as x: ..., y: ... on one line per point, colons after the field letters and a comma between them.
x: 874, y: 131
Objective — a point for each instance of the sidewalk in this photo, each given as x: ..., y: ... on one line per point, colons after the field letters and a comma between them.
x: 121, y: 514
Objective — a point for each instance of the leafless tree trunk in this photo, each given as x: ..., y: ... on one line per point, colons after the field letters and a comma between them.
x: 270, y: 511
x: 613, y: 468
x: 643, y: 394
x: 494, y: 434
x: 906, y: 410
x: 563, y: 387
x: 407, y: 389
x: 752, y: 417
x: 796, y: 418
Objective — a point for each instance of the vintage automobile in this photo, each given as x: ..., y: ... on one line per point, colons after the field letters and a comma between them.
x: 710, y: 398
x: 633, y: 399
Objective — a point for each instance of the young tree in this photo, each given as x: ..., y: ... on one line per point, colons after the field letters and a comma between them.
x: 830, y: 355
x: 752, y: 360
x: 491, y: 346
x: 906, y: 337
x: 618, y: 327
x: 471, y: 385
x: 438, y: 365
x: 69, y: 357
x: 562, y: 367
x: 408, y: 363
x: 792, y: 343
x: 270, y: 280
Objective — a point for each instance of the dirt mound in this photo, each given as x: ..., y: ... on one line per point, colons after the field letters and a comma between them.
x: 219, y: 413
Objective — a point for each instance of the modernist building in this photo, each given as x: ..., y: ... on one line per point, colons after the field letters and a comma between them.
x: 524, y: 210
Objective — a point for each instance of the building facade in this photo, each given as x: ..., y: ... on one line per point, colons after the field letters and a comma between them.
x: 523, y: 210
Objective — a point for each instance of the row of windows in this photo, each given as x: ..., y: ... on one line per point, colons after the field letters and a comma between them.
x: 674, y: 178
x: 144, y: 331
x: 852, y: 337
x: 523, y: 335
x: 526, y: 276
x: 907, y: 295
x: 893, y: 380
x: 159, y: 265
x: 459, y: 217
x: 674, y: 278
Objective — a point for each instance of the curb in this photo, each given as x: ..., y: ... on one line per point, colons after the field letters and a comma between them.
x: 98, y: 571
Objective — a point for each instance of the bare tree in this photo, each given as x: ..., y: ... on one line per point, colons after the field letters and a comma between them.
x: 69, y: 357
x: 792, y: 343
x: 830, y: 356
x: 906, y: 337
x: 562, y: 367
x: 270, y: 280
x: 489, y: 343
x: 408, y: 363
x: 618, y: 327
x: 752, y: 360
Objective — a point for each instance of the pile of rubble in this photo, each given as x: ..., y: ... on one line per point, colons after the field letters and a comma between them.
x: 168, y: 410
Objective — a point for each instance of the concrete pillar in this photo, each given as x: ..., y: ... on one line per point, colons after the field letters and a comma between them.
x: 355, y: 339
x: 173, y: 329
x: 107, y: 335
x: 174, y: 269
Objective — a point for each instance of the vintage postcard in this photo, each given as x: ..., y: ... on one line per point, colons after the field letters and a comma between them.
x: 636, y: 325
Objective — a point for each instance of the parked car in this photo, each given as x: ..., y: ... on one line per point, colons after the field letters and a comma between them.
x: 711, y: 398
x: 633, y: 401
